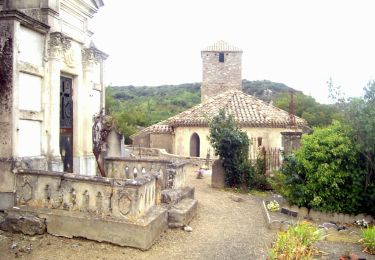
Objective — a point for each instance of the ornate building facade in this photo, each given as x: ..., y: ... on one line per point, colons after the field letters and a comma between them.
x: 51, y: 85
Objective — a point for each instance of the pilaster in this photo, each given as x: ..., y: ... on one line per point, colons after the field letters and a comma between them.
x: 56, y: 44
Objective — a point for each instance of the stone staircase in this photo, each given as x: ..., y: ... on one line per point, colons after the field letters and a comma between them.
x: 181, y: 206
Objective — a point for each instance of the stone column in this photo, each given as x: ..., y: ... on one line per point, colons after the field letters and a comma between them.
x: 291, y: 141
x: 55, y: 51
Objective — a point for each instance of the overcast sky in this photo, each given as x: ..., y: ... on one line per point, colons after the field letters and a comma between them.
x: 296, y: 42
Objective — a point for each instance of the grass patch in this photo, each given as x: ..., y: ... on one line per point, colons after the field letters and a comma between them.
x: 368, y: 240
x: 259, y: 193
x: 296, y: 243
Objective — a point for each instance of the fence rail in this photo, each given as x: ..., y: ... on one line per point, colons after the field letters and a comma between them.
x: 271, y: 159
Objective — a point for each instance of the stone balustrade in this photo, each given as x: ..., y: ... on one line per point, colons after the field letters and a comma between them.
x: 171, y: 174
x: 97, y: 196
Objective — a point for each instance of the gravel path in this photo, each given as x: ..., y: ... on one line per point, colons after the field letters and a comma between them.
x: 222, y: 229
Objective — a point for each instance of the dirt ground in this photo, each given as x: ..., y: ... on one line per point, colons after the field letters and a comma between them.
x: 222, y: 229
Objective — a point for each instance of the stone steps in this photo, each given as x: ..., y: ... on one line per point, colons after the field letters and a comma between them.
x: 180, y: 214
x: 173, y: 196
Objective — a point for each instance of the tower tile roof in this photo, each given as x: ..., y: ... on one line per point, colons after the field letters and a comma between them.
x: 247, y: 111
x: 222, y: 46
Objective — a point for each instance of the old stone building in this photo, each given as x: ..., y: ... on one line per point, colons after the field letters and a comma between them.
x: 51, y: 85
x: 186, y: 133
x: 221, y: 69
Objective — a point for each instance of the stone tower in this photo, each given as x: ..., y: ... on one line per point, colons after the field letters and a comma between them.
x: 221, y: 69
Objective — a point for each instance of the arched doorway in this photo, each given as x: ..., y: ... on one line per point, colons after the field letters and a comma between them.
x: 194, y: 145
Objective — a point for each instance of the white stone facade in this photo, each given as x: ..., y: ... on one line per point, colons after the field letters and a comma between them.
x: 41, y: 42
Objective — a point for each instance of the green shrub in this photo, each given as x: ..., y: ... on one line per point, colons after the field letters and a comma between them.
x: 324, y: 173
x: 296, y: 243
x: 260, y: 180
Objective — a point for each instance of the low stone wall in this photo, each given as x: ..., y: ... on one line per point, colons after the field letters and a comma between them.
x: 172, y: 174
x: 94, y: 195
x: 304, y: 213
x: 144, y: 152
x: 287, y: 215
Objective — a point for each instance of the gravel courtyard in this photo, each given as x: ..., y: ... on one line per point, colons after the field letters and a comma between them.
x: 222, y: 229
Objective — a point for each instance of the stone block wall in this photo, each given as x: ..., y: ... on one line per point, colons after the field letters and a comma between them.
x: 220, y: 76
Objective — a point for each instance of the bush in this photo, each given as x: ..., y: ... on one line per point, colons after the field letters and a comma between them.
x: 296, y: 243
x: 260, y: 181
x: 232, y: 145
x: 291, y: 181
x: 368, y: 240
x: 324, y: 174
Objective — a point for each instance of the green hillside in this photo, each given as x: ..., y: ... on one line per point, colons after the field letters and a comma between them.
x: 134, y: 107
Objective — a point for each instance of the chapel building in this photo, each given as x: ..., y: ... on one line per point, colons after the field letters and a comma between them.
x: 186, y: 134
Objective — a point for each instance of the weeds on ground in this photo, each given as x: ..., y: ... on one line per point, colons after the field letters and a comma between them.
x: 368, y: 240
x: 296, y: 243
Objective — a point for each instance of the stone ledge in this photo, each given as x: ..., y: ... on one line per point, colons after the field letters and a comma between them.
x: 173, y: 196
x: 140, y: 233
x: 182, y: 213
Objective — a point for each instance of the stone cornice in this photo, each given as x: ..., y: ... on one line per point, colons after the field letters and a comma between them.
x: 86, y: 7
x: 24, y: 19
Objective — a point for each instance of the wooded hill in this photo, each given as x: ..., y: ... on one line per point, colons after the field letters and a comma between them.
x: 134, y: 107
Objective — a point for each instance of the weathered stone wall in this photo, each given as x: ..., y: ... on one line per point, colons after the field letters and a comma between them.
x: 93, y: 195
x: 220, y: 76
x: 171, y: 174
x: 142, y: 140
x: 162, y: 141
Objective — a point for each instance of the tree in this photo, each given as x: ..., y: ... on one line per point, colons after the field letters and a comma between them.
x: 232, y: 145
x: 360, y: 119
x: 307, y: 108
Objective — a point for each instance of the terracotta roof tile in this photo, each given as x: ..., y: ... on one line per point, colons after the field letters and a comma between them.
x: 222, y: 46
x: 159, y: 128
x: 247, y: 111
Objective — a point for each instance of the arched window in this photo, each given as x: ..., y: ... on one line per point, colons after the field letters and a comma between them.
x: 194, y: 145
